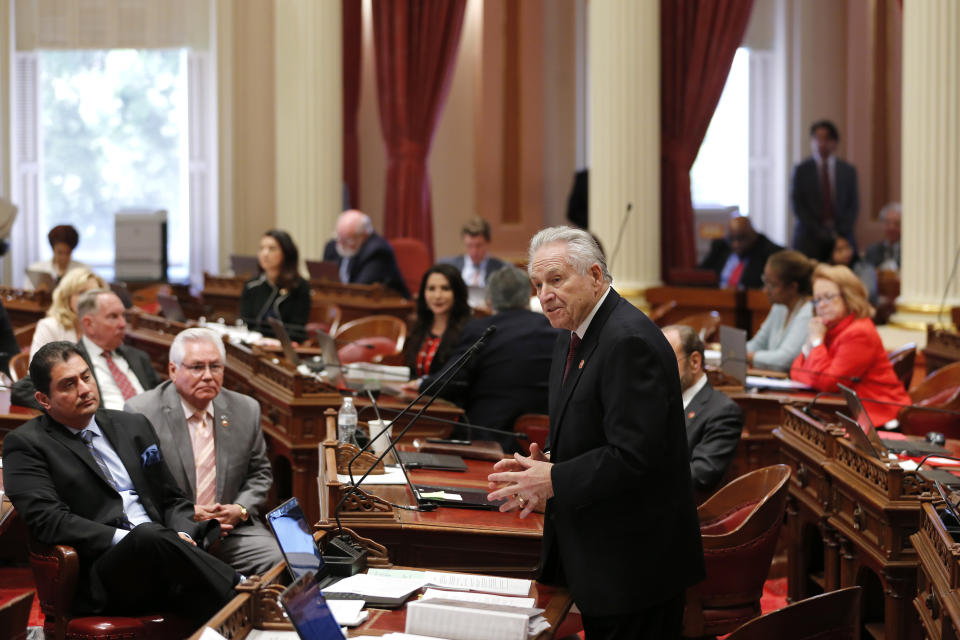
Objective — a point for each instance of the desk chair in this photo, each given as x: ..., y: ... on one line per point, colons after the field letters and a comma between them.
x: 413, y: 258
x: 377, y: 338
x: 55, y: 569
x: 940, y: 390
x: 659, y: 312
x: 536, y: 426
x: 14, y: 616
x: 324, y: 316
x: 739, y: 525
x: 902, y: 360
x: 19, y: 365
x: 828, y: 616
x: 706, y: 324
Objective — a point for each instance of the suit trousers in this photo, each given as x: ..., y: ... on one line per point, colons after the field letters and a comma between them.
x: 153, y: 570
x: 662, y: 621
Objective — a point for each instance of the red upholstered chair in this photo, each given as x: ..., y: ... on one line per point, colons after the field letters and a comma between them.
x: 536, y: 426
x: 14, y: 616
x: 902, y: 360
x: 940, y: 390
x: 372, y: 339
x: 19, y: 365
x: 740, y: 525
x: 828, y: 616
x: 413, y: 258
x: 324, y: 317
x: 55, y: 570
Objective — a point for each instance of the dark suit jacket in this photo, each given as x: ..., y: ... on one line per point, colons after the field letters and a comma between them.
x: 63, y: 497
x: 714, y: 423
x: 21, y: 393
x: 374, y: 262
x: 493, y: 264
x: 621, y: 476
x: 751, y: 278
x: 260, y: 300
x: 508, y: 377
x: 875, y: 254
x: 809, y: 233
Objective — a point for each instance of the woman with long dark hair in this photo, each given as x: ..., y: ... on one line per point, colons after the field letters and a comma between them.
x: 442, y: 310
x: 278, y: 291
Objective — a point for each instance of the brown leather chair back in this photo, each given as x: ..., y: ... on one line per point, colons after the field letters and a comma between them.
x: 659, y: 313
x: 902, y: 360
x: 324, y: 316
x: 536, y: 426
x: 19, y: 365
x: 14, y: 616
x: 739, y: 526
x: 706, y: 324
x: 372, y: 339
x: 828, y: 616
x: 939, y: 390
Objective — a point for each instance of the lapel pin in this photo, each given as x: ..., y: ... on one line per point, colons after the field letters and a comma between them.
x: 224, y: 422
x: 581, y: 364
x: 690, y: 415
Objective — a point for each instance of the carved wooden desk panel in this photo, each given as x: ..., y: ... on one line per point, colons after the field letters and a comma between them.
x: 938, y: 581
x: 943, y: 347
x: 24, y: 307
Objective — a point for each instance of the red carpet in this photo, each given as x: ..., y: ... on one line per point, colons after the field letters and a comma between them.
x: 13, y: 582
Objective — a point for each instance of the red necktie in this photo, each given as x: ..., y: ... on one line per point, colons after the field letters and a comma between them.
x: 574, y: 343
x: 123, y: 382
x: 734, y: 278
x: 827, y: 194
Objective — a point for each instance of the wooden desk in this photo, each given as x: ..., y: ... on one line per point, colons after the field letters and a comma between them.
x: 743, y: 309
x: 849, y: 518
x: 938, y: 581
x: 943, y: 348
x: 24, y: 307
x: 257, y: 608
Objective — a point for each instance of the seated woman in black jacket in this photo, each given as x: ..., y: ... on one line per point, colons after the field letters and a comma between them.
x: 442, y: 310
x: 278, y: 291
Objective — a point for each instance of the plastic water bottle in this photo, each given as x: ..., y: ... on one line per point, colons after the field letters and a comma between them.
x: 347, y: 421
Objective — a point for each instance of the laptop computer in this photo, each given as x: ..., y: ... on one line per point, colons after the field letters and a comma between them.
x: 171, y: 308
x: 432, y: 461
x: 323, y: 270
x: 733, y: 353
x: 244, y: 266
x: 308, y: 610
x: 41, y: 279
x: 303, y: 556
x: 911, y: 447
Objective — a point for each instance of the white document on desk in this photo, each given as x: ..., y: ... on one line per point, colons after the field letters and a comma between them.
x: 474, y: 582
x: 365, y: 584
x: 778, y: 384
x: 469, y: 621
x: 393, y: 476
x: 470, y: 596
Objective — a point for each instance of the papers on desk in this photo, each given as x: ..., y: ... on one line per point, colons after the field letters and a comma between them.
x: 370, y: 371
x: 469, y: 596
x: 459, y: 620
x: 459, y: 581
x: 779, y: 384
x: 348, y: 613
x: 393, y: 475
x: 376, y: 586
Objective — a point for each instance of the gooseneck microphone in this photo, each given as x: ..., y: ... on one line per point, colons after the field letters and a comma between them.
x: 441, y: 382
x: 623, y: 226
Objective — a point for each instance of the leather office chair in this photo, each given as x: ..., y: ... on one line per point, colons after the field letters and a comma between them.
x: 19, y: 365
x: 413, y: 258
x: 706, y: 324
x: 902, y: 360
x: 658, y: 313
x: 14, y: 616
x: 55, y: 569
x: 24, y: 335
x: 739, y: 525
x: 536, y: 426
x: 939, y: 390
x: 372, y: 339
x: 324, y: 316
x: 828, y: 616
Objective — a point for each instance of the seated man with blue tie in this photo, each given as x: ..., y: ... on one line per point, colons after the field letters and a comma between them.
x: 120, y: 371
x: 95, y: 479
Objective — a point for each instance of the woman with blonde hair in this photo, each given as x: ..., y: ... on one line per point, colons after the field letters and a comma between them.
x: 61, y: 321
x: 843, y: 346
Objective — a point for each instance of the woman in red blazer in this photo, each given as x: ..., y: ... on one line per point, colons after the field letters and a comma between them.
x: 843, y: 346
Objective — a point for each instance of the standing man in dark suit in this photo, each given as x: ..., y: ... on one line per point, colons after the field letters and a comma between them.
x: 739, y: 259
x: 94, y: 479
x: 823, y: 195
x: 120, y: 371
x: 476, y: 265
x: 617, y: 475
x: 362, y: 256
x: 213, y: 444
x: 714, y: 421
x: 508, y: 377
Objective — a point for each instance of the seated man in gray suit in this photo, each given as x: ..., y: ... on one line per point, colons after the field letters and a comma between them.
x: 211, y: 440
x: 713, y: 420
x: 476, y: 265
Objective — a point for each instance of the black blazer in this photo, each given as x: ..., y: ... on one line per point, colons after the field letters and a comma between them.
x: 714, y: 423
x: 374, y: 262
x: 621, y: 476
x: 751, y: 278
x: 809, y: 233
x: 260, y: 300
x: 63, y: 497
x: 508, y: 377
x: 21, y: 393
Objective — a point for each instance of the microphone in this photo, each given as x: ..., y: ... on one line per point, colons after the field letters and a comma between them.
x: 468, y: 425
x: 444, y: 377
x: 808, y: 409
x: 623, y: 225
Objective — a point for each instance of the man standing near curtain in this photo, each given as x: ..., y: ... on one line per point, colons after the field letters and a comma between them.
x: 823, y: 195
x: 616, y: 431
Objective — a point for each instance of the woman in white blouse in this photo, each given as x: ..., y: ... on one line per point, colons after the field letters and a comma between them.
x: 786, y: 280
x: 63, y: 240
x: 61, y: 321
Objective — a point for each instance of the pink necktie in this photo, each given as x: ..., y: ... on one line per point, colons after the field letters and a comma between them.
x: 123, y: 382
x: 205, y: 460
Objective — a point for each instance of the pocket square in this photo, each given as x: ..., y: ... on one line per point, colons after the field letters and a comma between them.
x: 150, y: 456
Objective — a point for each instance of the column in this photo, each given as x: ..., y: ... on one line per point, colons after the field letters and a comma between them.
x: 931, y: 161
x: 624, y: 138
x: 309, y: 121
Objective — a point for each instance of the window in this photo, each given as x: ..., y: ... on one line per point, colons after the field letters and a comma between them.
x: 720, y: 174
x: 113, y: 134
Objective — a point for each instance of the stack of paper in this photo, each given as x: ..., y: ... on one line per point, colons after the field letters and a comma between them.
x: 370, y: 371
x: 460, y: 581
x: 464, y: 620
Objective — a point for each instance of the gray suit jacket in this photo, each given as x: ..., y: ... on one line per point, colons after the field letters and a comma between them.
x: 243, y: 469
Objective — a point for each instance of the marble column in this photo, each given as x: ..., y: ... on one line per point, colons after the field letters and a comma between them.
x: 931, y: 161
x: 624, y: 138
x: 309, y: 121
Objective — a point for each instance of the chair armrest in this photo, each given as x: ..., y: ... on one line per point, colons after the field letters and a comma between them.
x: 55, y: 570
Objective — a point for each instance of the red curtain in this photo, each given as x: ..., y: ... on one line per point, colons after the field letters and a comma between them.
x: 698, y: 41
x: 352, y: 59
x: 415, y: 44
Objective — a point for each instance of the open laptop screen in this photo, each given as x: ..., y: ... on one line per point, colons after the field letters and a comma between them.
x: 308, y: 611
x: 860, y: 415
x: 293, y: 535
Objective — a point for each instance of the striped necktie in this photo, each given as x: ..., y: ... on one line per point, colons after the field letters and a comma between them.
x: 205, y: 459
x: 123, y: 382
